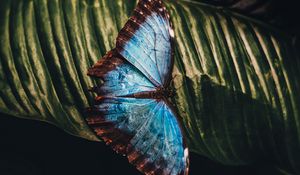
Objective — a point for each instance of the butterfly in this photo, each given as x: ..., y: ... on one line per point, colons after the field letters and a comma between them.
x: 132, y: 112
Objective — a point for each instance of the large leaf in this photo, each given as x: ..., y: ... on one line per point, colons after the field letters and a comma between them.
x: 235, y: 78
x: 280, y: 14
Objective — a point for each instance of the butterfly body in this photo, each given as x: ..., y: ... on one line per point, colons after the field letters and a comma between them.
x: 159, y: 93
x: 132, y: 112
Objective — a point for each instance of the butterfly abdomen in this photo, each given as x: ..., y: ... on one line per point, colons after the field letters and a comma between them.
x: 159, y: 93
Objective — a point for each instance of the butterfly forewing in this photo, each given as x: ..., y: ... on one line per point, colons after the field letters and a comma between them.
x: 145, y: 130
x: 146, y: 41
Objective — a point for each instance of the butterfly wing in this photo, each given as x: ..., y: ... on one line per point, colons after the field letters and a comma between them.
x: 119, y: 78
x: 146, y: 41
x: 145, y: 130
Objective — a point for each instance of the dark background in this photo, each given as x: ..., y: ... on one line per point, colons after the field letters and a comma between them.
x: 30, y: 147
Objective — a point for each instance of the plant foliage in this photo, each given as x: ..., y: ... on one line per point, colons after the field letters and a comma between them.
x: 236, y: 79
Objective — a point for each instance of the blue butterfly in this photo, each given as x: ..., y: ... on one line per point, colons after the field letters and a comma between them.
x: 132, y: 113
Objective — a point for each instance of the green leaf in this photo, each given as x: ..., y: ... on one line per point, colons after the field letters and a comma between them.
x: 236, y: 78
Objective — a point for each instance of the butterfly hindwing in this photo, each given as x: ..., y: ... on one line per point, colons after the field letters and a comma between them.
x: 146, y: 41
x: 119, y: 77
x: 145, y: 130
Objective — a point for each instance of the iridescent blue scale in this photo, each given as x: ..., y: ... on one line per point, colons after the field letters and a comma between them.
x: 124, y: 80
x: 144, y: 128
x: 156, y: 46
